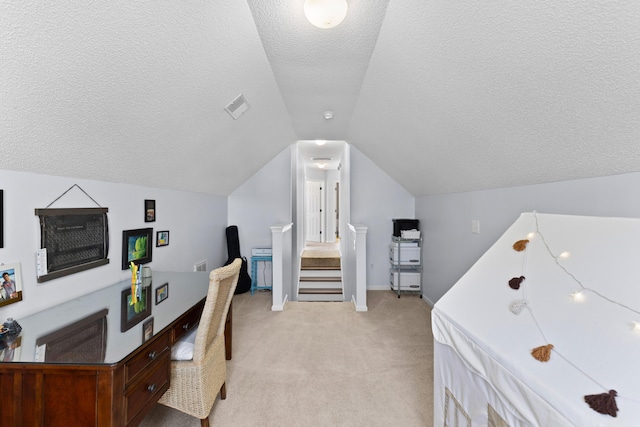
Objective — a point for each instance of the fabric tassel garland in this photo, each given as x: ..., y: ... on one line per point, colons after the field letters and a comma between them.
x: 520, y: 245
x: 604, y: 403
x: 515, y: 282
x: 542, y: 353
x: 517, y: 306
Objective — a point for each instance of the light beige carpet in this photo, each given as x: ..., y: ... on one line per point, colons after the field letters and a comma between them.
x: 323, y: 364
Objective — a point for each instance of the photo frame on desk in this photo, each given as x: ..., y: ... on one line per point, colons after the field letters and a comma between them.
x: 131, y: 315
x: 137, y: 246
x: 10, y: 284
x: 10, y: 348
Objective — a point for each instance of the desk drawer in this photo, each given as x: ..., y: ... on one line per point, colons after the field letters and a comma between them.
x: 137, y: 364
x: 188, y: 321
x: 150, y: 389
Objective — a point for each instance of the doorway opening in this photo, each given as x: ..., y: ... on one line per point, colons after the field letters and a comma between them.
x: 322, y: 180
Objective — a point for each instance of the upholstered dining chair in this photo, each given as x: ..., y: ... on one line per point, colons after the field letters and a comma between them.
x: 195, y: 383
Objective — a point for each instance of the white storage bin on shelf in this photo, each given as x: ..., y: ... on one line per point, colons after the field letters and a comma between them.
x: 408, y: 281
x: 405, y: 257
x: 404, y: 253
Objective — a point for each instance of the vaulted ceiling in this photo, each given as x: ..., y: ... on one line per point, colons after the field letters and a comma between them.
x: 443, y: 96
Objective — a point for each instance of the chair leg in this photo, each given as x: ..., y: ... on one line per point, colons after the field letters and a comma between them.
x: 223, y: 391
x: 204, y: 422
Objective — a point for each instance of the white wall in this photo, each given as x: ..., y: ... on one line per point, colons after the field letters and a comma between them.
x: 375, y: 200
x: 451, y: 248
x: 260, y: 202
x: 333, y: 178
x: 195, y: 221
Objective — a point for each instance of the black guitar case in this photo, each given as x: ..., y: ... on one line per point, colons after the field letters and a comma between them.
x: 233, y: 251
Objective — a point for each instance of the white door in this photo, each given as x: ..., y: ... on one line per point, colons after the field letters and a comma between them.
x: 313, y: 211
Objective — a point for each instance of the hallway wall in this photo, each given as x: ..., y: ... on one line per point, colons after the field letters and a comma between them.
x: 375, y: 200
x: 260, y: 202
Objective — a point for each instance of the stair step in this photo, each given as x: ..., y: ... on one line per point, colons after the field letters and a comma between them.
x: 320, y: 263
x: 320, y: 267
x: 320, y: 291
x: 320, y: 279
x: 318, y: 285
x: 320, y: 273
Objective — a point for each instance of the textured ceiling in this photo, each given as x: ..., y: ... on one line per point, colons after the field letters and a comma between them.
x: 443, y: 96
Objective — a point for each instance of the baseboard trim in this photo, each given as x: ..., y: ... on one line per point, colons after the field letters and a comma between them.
x: 280, y: 307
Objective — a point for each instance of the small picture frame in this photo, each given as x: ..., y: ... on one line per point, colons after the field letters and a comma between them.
x: 162, y: 293
x: 147, y: 330
x: 149, y: 210
x: 10, y: 348
x: 137, y: 246
x: 131, y: 315
x: 162, y: 238
x: 11, y: 284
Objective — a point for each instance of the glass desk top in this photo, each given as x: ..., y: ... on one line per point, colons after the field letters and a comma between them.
x: 184, y: 291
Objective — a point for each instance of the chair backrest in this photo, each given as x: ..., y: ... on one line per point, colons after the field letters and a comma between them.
x: 222, y: 284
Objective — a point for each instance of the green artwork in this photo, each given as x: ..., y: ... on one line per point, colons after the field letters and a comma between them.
x: 137, y: 247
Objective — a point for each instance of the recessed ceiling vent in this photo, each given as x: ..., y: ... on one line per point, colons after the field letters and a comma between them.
x: 315, y: 159
x: 237, y: 107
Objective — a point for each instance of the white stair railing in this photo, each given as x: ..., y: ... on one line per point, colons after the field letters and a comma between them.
x: 281, y: 246
x: 355, y: 267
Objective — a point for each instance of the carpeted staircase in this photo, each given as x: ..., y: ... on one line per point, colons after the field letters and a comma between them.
x: 320, y: 274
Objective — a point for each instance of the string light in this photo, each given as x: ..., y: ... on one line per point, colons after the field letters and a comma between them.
x: 565, y: 255
x: 601, y: 402
x: 578, y: 296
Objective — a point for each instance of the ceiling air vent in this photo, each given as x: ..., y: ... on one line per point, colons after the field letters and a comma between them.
x: 322, y: 158
x: 237, y: 107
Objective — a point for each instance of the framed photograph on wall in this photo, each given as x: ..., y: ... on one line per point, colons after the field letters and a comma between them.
x: 132, y: 314
x: 147, y: 330
x: 11, y: 284
x: 162, y: 293
x: 162, y: 238
x: 149, y: 210
x: 137, y: 246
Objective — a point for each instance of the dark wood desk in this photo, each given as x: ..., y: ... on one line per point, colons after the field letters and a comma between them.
x: 121, y: 389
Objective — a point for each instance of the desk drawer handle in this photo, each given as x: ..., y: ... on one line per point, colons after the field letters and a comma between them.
x: 151, y: 388
x: 152, y: 355
x: 185, y: 326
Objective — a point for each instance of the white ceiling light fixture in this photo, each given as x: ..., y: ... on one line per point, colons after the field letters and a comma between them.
x: 325, y: 13
x: 321, y: 142
x: 322, y: 165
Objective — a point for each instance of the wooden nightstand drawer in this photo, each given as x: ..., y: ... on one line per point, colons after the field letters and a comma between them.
x: 137, y: 364
x: 188, y: 321
x: 150, y: 388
